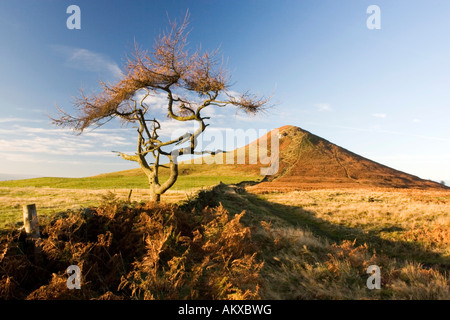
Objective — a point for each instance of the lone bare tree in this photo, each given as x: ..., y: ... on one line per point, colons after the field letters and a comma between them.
x: 190, y: 81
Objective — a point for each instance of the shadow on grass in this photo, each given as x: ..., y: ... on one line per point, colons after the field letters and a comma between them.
x: 236, y: 199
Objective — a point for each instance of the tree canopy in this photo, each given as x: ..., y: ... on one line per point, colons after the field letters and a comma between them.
x: 191, y: 83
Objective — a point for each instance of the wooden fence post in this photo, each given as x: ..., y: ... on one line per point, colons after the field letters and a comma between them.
x: 31, y: 225
x: 30, y: 221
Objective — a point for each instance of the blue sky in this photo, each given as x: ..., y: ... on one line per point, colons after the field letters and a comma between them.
x: 383, y: 94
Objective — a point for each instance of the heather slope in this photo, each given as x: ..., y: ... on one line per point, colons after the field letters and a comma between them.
x: 309, y: 162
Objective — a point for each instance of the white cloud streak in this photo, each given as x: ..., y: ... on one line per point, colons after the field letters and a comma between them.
x: 155, y: 101
x: 323, y: 107
x: 87, y: 60
x: 19, y: 140
x: 18, y: 120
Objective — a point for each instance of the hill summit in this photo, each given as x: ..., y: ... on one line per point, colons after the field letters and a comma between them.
x: 308, y: 161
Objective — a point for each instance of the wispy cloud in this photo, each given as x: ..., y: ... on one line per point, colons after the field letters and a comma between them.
x: 21, y: 140
x: 173, y: 129
x: 323, y: 107
x: 251, y: 118
x: 87, y: 60
x: 50, y: 146
x: 155, y: 101
x: 231, y: 94
x: 381, y: 131
x: 32, y: 158
x: 379, y: 115
x: 18, y: 120
x: 158, y: 104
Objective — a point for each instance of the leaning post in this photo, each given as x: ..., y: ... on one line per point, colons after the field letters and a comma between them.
x: 31, y: 226
x: 30, y: 221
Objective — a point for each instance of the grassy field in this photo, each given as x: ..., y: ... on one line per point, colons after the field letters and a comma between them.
x: 52, y: 195
x: 190, y: 176
x: 50, y: 201
x: 318, y: 244
x: 411, y: 224
x: 315, y: 244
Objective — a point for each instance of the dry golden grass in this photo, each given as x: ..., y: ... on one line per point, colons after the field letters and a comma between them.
x: 313, y: 244
x: 134, y: 251
x: 421, y: 217
x: 53, y: 200
x: 318, y: 244
x: 299, y: 265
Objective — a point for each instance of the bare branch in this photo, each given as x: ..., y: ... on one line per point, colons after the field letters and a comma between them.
x: 127, y: 156
x: 191, y: 83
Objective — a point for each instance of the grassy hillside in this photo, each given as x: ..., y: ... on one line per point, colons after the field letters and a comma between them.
x: 51, y: 201
x: 318, y: 244
x: 299, y: 245
x: 308, y: 161
x: 190, y: 176
x: 53, y: 195
x: 133, y: 251
x: 308, y: 244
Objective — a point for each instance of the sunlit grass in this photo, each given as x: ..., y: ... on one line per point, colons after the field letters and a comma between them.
x: 314, y: 244
x: 122, y: 182
x: 52, y: 195
x: 50, y: 201
x: 386, y: 217
x: 318, y: 244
